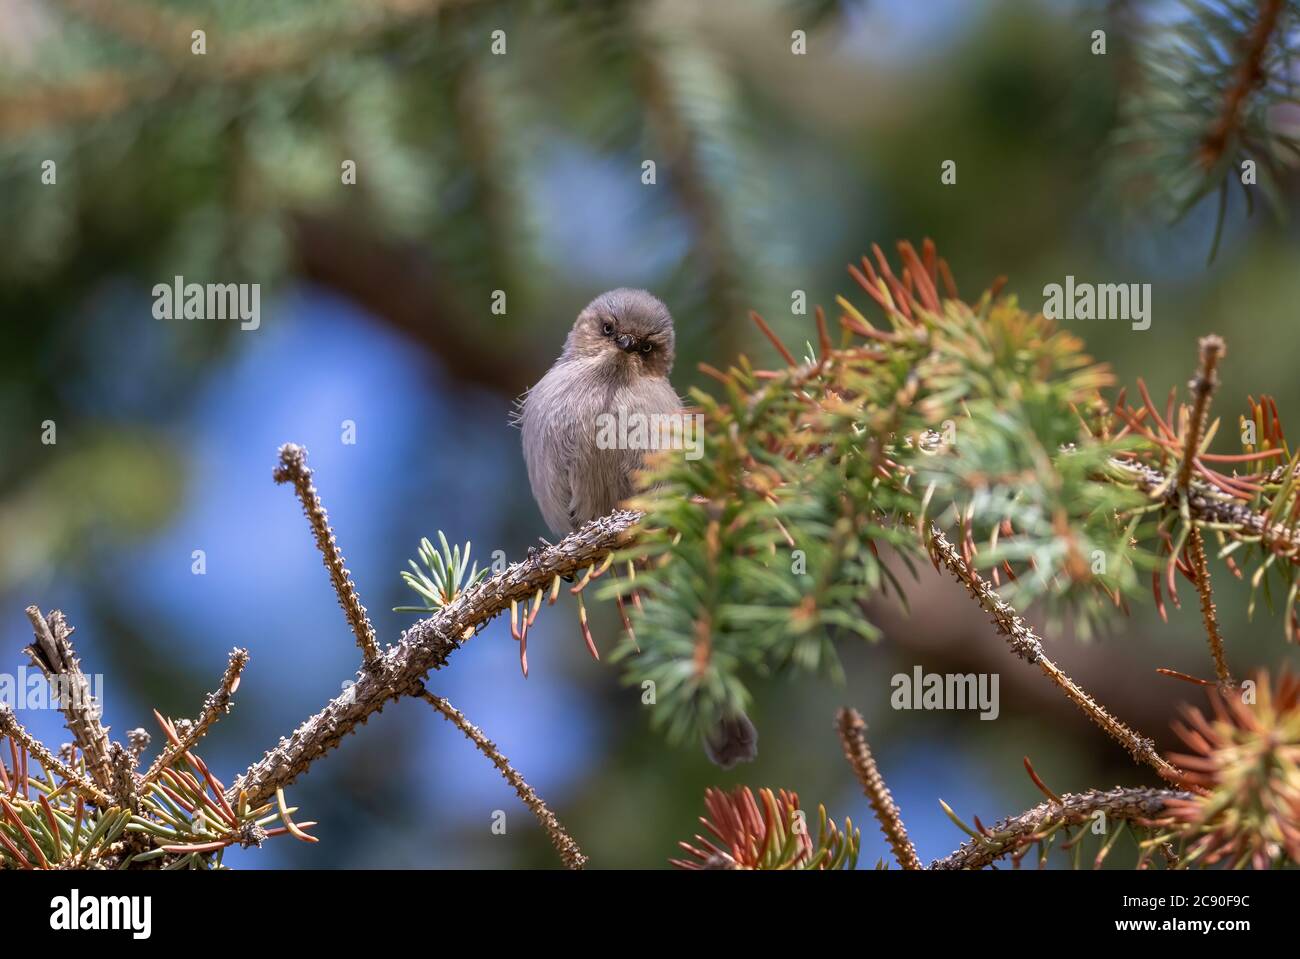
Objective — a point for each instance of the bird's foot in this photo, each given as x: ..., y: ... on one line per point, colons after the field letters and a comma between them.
x: 535, y: 551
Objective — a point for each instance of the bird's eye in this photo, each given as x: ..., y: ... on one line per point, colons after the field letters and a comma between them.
x: 608, y: 328
x: 647, y: 347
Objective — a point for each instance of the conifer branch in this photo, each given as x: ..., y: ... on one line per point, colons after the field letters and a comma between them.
x: 1203, y: 386
x: 1212, y: 91
x: 399, y: 669
x: 1205, y: 505
x: 1025, y: 644
x: 564, y: 844
x: 293, y: 469
x: 144, y: 25
x: 240, y: 58
x: 1201, y: 575
x: 10, y: 726
x: 214, y: 707
x: 52, y: 652
x: 1136, y: 805
x: 683, y: 165
x: 852, y: 730
x: 1247, y: 77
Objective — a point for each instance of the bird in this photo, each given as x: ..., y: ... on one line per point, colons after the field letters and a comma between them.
x: 617, y: 357
x: 615, y: 366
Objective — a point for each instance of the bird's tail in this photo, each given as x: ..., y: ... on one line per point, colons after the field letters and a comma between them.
x: 733, y: 740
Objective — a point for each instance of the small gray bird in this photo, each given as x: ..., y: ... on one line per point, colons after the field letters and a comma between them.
x: 616, y: 361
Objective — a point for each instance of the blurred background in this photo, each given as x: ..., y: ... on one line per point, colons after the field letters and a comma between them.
x: 522, y: 173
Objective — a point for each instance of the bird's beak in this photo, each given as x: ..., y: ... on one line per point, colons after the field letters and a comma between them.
x: 626, y: 343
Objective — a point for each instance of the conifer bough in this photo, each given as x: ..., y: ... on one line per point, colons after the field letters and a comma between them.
x: 976, y: 433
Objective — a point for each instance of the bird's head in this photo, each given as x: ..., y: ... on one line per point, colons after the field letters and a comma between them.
x: 628, y: 329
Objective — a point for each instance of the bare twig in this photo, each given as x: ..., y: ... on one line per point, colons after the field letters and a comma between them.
x: 1202, y: 387
x: 853, y: 738
x: 53, y: 654
x: 137, y: 741
x: 214, y: 707
x: 1013, y: 833
x: 293, y: 469
x: 1025, y: 644
x: 10, y: 726
x: 1212, y: 350
x: 1201, y: 572
x: 563, y: 842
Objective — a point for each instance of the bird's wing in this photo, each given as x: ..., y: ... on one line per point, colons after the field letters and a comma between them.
x: 548, y: 453
x: 574, y: 483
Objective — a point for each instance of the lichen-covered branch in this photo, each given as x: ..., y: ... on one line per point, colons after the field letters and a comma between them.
x: 1025, y: 644
x: 399, y: 669
x: 214, y: 707
x: 564, y: 844
x: 52, y: 653
x: 293, y: 469
x: 1013, y: 833
x: 10, y: 726
x: 1206, y: 505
